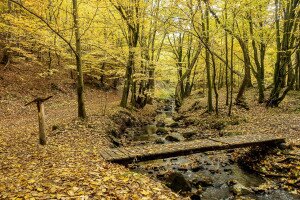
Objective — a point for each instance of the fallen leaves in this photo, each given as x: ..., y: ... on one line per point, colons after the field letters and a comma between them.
x: 70, y: 167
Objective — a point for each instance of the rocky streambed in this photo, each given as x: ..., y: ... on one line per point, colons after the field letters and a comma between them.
x: 210, y: 175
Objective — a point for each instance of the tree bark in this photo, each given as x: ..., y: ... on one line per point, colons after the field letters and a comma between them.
x: 297, y: 74
x: 41, y: 118
x: 80, y: 84
x: 207, y: 64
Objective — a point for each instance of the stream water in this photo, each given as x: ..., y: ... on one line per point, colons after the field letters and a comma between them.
x: 209, y: 175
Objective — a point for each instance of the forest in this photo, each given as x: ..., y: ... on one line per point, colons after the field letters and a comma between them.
x: 150, y: 99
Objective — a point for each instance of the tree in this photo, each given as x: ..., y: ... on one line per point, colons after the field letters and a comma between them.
x: 76, y: 51
x: 80, y: 84
x: 285, y: 45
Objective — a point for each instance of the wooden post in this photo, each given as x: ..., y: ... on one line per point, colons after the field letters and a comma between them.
x: 41, y: 117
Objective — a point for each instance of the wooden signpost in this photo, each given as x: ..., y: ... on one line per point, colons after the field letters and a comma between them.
x: 41, y: 116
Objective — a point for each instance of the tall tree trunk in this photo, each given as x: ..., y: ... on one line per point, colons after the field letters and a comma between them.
x: 80, y: 84
x: 283, y: 56
x: 207, y: 64
x: 226, y: 58
x: 231, y: 73
x: 297, y: 74
x: 247, y: 74
x: 215, y: 85
x: 128, y: 78
x: 259, y: 63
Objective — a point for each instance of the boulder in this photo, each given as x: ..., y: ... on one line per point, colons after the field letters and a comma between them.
x: 174, y: 125
x: 161, y: 131
x: 174, y: 137
x: 178, y: 183
x: 160, y: 124
x: 124, y: 119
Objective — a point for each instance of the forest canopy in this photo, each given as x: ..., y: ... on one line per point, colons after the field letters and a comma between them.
x: 155, y: 47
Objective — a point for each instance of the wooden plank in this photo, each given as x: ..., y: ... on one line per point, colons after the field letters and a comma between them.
x: 158, y: 151
x: 105, y: 155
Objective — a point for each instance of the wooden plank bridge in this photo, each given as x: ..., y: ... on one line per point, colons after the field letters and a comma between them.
x: 158, y: 151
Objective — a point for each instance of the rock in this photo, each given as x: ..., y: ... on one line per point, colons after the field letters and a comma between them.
x: 214, y: 171
x: 160, y: 124
x: 174, y: 125
x: 183, y: 168
x: 168, y: 108
x: 189, y: 134
x: 204, y: 181
x: 177, y: 182
x: 228, y: 170
x: 178, y: 117
x: 197, y: 168
x: 161, y: 131
x: 124, y: 119
x: 160, y: 176
x: 159, y: 141
x: 168, y: 121
x: 239, y: 189
x: 150, y: 129
x: 195, y: 197
x: 174, y: 137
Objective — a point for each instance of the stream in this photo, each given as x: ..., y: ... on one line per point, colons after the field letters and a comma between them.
x: 207, y: 176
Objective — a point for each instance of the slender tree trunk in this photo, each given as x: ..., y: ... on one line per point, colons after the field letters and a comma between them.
x: 80, y: 84
x: 128, y: 80
x: 215, y: 85
x: 231, y: 74
x: 247, y: 75
x: 297, y: 74
x: 207, y: 64
x: 226, y: 58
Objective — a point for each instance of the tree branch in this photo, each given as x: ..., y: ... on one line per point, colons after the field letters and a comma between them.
x: 46, y: 23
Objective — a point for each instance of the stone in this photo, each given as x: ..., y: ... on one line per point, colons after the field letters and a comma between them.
x: 150, y: 129
x: 239, y: 189
x: 159, y: 141
x: 161, y: 131
x: 168, y: 121
x: 160, y: 124
x: 178, y: 117
x: 174, y: 137
x: 203, y: 181
x: 197, y: 168
x: 189, y: 134
x: 174, y: 125
x: 178, y: 183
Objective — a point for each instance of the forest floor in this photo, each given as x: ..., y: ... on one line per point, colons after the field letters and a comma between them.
x: 69, y: 166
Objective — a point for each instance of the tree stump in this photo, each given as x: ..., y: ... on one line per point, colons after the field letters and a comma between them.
x: 41, y: 117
